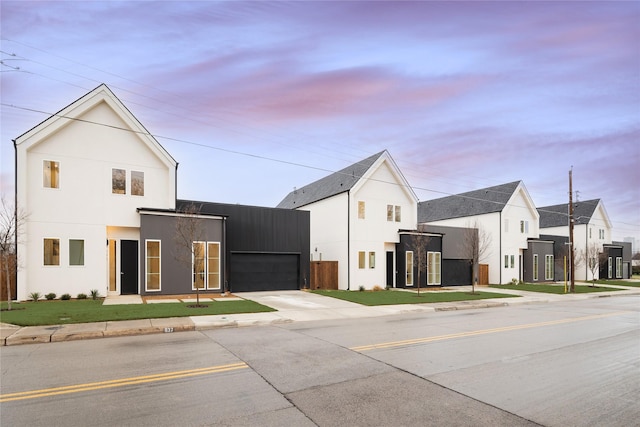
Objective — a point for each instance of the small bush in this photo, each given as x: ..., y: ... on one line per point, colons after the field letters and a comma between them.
x: 94, y: 294
x: 361, y: 288
x: 35, y: 296
x: 82, y: 296
x: 65, y: 297
x: 50, y: 296
x: 377, y: 288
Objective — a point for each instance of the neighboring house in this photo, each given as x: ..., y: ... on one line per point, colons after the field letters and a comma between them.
x: 618, y: 261
x: 81, y: 175
x: 356, y: 215
x: 505, y: 212
x: 592, y: 228
x: 100, y: 197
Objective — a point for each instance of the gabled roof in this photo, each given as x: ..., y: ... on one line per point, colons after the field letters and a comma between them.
x: 558, y: 215
x: 471, y: 203
x: 336, y: 183
x: 74, y: 111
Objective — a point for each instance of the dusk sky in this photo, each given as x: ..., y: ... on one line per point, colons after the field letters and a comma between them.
x: 256, y: 98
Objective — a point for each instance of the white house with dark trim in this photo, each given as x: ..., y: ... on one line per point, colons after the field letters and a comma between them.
x: 356, y: 215
x: 505, y: 212
x: 591, y: 226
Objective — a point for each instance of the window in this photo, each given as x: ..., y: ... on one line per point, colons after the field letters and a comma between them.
x: 206, y: 265
x: 590, y: 230
x: 137, y: 183
x: 548, y: 267
x: 506, y: 261
x: 394, y: 213
x: 51, y: 251
x: 618, y: 267
x: 610, y: 267
x: 409, y: 266
x: 361, y: 259
x: 535, y: 267
x: 372, y: 260
x: 513, y: 258
x: 361, y: 210
x: 153, y: 265
x: 398, y: 214
x: 389, y: 212
x: 433, y: 268
x: 524, y: 227
x: 601, y: 234
x: 51, y: 174
x: 76, y: 252
x: 118, y: 181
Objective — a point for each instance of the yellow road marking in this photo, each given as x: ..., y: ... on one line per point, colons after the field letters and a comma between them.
x: 119, y: 383
x: 482, y: 332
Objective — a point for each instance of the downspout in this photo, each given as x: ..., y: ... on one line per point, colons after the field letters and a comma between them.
x: 15, y: 213
x: 348, y: 240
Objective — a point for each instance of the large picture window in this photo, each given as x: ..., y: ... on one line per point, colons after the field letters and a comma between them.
x: 618, y: 268
x: 434, y: 261
x: 51, y: 251
x: 51, y: 174
x: 548, y: 267
x: 206, y: 265
x: 76, y: 252
x: 153, y: 265
x: 409, y: 267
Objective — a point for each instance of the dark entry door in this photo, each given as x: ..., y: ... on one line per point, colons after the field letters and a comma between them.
x: 128, y: 267
x: 390, y: 270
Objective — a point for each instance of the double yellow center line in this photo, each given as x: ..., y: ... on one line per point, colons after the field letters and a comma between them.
x: 119, y: 383
x: 424, y: 340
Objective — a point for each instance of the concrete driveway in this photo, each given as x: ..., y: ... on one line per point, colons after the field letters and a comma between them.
x: 296, y: 300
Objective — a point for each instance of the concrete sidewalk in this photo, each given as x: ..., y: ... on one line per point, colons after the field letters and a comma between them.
x: 291, y: 306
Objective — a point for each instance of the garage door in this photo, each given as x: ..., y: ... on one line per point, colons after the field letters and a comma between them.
x: 263, y: 272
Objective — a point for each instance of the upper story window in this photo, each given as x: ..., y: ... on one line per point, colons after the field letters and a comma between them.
x: 524, y: 227
x: 118, y: 181
x: 51, y: 174
x: 601, y: 234
x: 137, y: 183
x: 506, y: 225
x: 394, y: 213
x: 361, y: 210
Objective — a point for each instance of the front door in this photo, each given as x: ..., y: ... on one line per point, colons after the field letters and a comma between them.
x: 390, y: 269
x: 128, y: 267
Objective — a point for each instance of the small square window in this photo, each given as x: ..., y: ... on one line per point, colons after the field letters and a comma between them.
x: 118, y: 181
x: 76, y: 252
x: 51, y: 251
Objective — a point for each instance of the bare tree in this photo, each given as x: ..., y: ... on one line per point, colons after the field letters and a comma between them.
x: 11, y: 223
x: 420, y: 243
x: 475, y: 247
x: 190, y: 237
x: 592, y: 257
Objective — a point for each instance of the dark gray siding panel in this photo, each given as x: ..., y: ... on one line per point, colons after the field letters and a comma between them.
x: 542, y: 249
x: 407, y: 244
x: 175, y: 276
x: 453, y: 240
x: 456, y: 272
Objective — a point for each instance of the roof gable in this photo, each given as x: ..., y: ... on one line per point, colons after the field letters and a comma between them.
x: 472, y: 203
x: 77, y: 109
x: 331, y: 185
x: 558, y: 215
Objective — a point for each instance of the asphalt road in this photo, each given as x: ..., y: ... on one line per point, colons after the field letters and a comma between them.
x: 553, y: 364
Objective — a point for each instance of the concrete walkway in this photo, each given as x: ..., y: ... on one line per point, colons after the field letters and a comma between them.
x: 291, y: 306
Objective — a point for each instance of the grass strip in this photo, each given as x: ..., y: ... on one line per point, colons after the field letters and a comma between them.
x: 85, y: 311
x: 372, y: 298
x: 555, y: 289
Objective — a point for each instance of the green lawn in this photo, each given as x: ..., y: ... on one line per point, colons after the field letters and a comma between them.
x: 618, y: 283
x: 83, y: 311
x: 402, y: 297
x: 554, y: 289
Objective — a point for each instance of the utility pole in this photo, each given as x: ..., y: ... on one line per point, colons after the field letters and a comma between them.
x: 572, y: 287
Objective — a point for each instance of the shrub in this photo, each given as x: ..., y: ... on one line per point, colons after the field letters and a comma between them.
x: 50, y: 296
x: 94, y: 294
x: 361, y: 288
x: 82, y: 296
x: 377, y: 288
x: 65, y: 297
x: 35, y: 296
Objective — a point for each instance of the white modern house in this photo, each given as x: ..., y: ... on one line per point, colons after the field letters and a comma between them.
x: 356, y: 216
x: 591, y: 228
x: 81, y: 175
x: 505, y: 213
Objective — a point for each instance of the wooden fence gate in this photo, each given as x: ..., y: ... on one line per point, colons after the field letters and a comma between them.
x: 483, y: 274
x: 324, y: 275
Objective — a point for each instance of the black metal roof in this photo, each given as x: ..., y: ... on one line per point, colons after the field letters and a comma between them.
x: 336, y: 183
x: 476, y: 202
x: 558, y: 215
